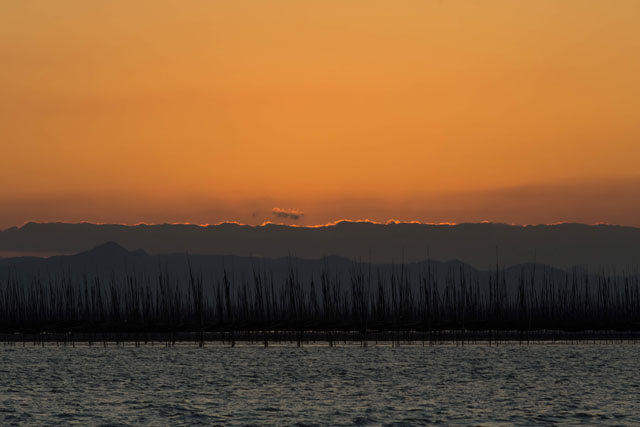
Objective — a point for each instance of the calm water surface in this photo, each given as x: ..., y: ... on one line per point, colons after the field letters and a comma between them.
x: 318, y: 385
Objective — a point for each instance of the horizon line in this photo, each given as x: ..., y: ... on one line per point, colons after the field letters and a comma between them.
x: 312, y: 226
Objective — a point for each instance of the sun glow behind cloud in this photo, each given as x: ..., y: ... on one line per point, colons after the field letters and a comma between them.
x: 209, y: 111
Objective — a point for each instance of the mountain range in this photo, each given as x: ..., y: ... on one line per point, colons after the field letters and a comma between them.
x: 111, y: 262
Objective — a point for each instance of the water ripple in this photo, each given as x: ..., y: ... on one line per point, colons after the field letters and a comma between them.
x: 319, y: 385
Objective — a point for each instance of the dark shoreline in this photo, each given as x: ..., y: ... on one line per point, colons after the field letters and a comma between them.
x: 329, y: 338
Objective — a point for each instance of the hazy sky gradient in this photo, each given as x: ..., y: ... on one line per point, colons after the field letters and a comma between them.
x: 204, y: 111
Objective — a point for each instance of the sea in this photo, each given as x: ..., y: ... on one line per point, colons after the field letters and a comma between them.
x: 347, y: 384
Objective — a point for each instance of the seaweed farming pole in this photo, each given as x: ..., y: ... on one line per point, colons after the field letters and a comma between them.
x: 197, y: 298
x: 230, y: 311
x: 398, y: 308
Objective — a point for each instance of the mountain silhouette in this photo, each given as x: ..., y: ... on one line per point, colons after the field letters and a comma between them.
x: 109, y: 249
x: 110, y: 261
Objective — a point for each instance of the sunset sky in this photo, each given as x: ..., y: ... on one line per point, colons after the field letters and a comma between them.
x: 306, y: 112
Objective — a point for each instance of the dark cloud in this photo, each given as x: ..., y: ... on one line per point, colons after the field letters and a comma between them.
x: 287, y: 213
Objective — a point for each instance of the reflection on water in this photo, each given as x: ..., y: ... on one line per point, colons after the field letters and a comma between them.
x: 315, y: 385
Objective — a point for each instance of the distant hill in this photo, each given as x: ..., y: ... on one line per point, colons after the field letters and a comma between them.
x: 479, y: 245
x: 110, y: 261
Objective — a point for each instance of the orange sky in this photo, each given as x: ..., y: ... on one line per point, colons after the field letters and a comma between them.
x: 205, y: 111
